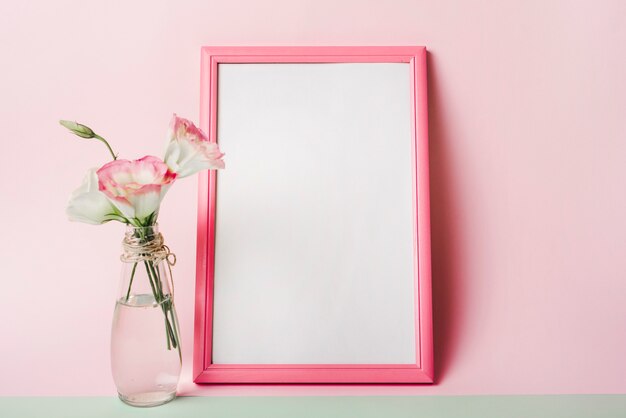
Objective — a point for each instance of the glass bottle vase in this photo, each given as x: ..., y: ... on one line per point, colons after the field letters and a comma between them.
x: 145, y: 343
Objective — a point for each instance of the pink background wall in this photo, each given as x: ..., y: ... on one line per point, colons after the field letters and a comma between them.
x: 528, y: 152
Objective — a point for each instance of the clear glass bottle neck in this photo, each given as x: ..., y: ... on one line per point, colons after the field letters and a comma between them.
x: 145, y: 268
x: 145, y: 233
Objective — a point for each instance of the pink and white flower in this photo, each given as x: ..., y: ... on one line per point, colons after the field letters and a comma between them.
x: 88, y: 204
x: 137, y: 187
x: 189, y: 150
x: 131, y: 191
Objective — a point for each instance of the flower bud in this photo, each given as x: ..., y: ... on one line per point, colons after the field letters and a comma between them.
x: 78, y: 129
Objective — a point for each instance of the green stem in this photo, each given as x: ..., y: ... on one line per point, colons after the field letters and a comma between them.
x: 180, y: 354
x: 157, y: 278
x: 154, y: 278
x: 132, y: 276
x: 95, y: 135
x: 160, y: 298
x: 154, y: 291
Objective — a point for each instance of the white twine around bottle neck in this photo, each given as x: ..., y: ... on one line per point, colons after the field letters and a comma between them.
x: 153, y: 249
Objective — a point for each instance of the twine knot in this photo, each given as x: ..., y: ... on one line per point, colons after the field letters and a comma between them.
x: 151, y: 248
x: 148, y: 248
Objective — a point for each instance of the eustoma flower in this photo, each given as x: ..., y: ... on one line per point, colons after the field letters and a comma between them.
x: 131, y: 191
x: 90, y: 205
x: 137, y: 187
x: 189, y: 150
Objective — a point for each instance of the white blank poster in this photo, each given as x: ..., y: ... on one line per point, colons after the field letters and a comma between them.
x: 314, y: 220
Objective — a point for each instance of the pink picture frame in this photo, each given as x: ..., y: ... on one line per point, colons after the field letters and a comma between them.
x: 204, y: 370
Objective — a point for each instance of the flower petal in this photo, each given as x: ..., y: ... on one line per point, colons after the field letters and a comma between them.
x: 137, y: 187
x: 91, y: 206
x: 189, y: 150
x: 147, y: 200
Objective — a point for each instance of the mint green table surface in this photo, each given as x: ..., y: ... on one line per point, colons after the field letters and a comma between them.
x: 553, y: 406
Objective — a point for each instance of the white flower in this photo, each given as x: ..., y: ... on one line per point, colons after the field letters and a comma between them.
x: 89, y: 205
x: 136, y: 187
x: 189, y: 150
